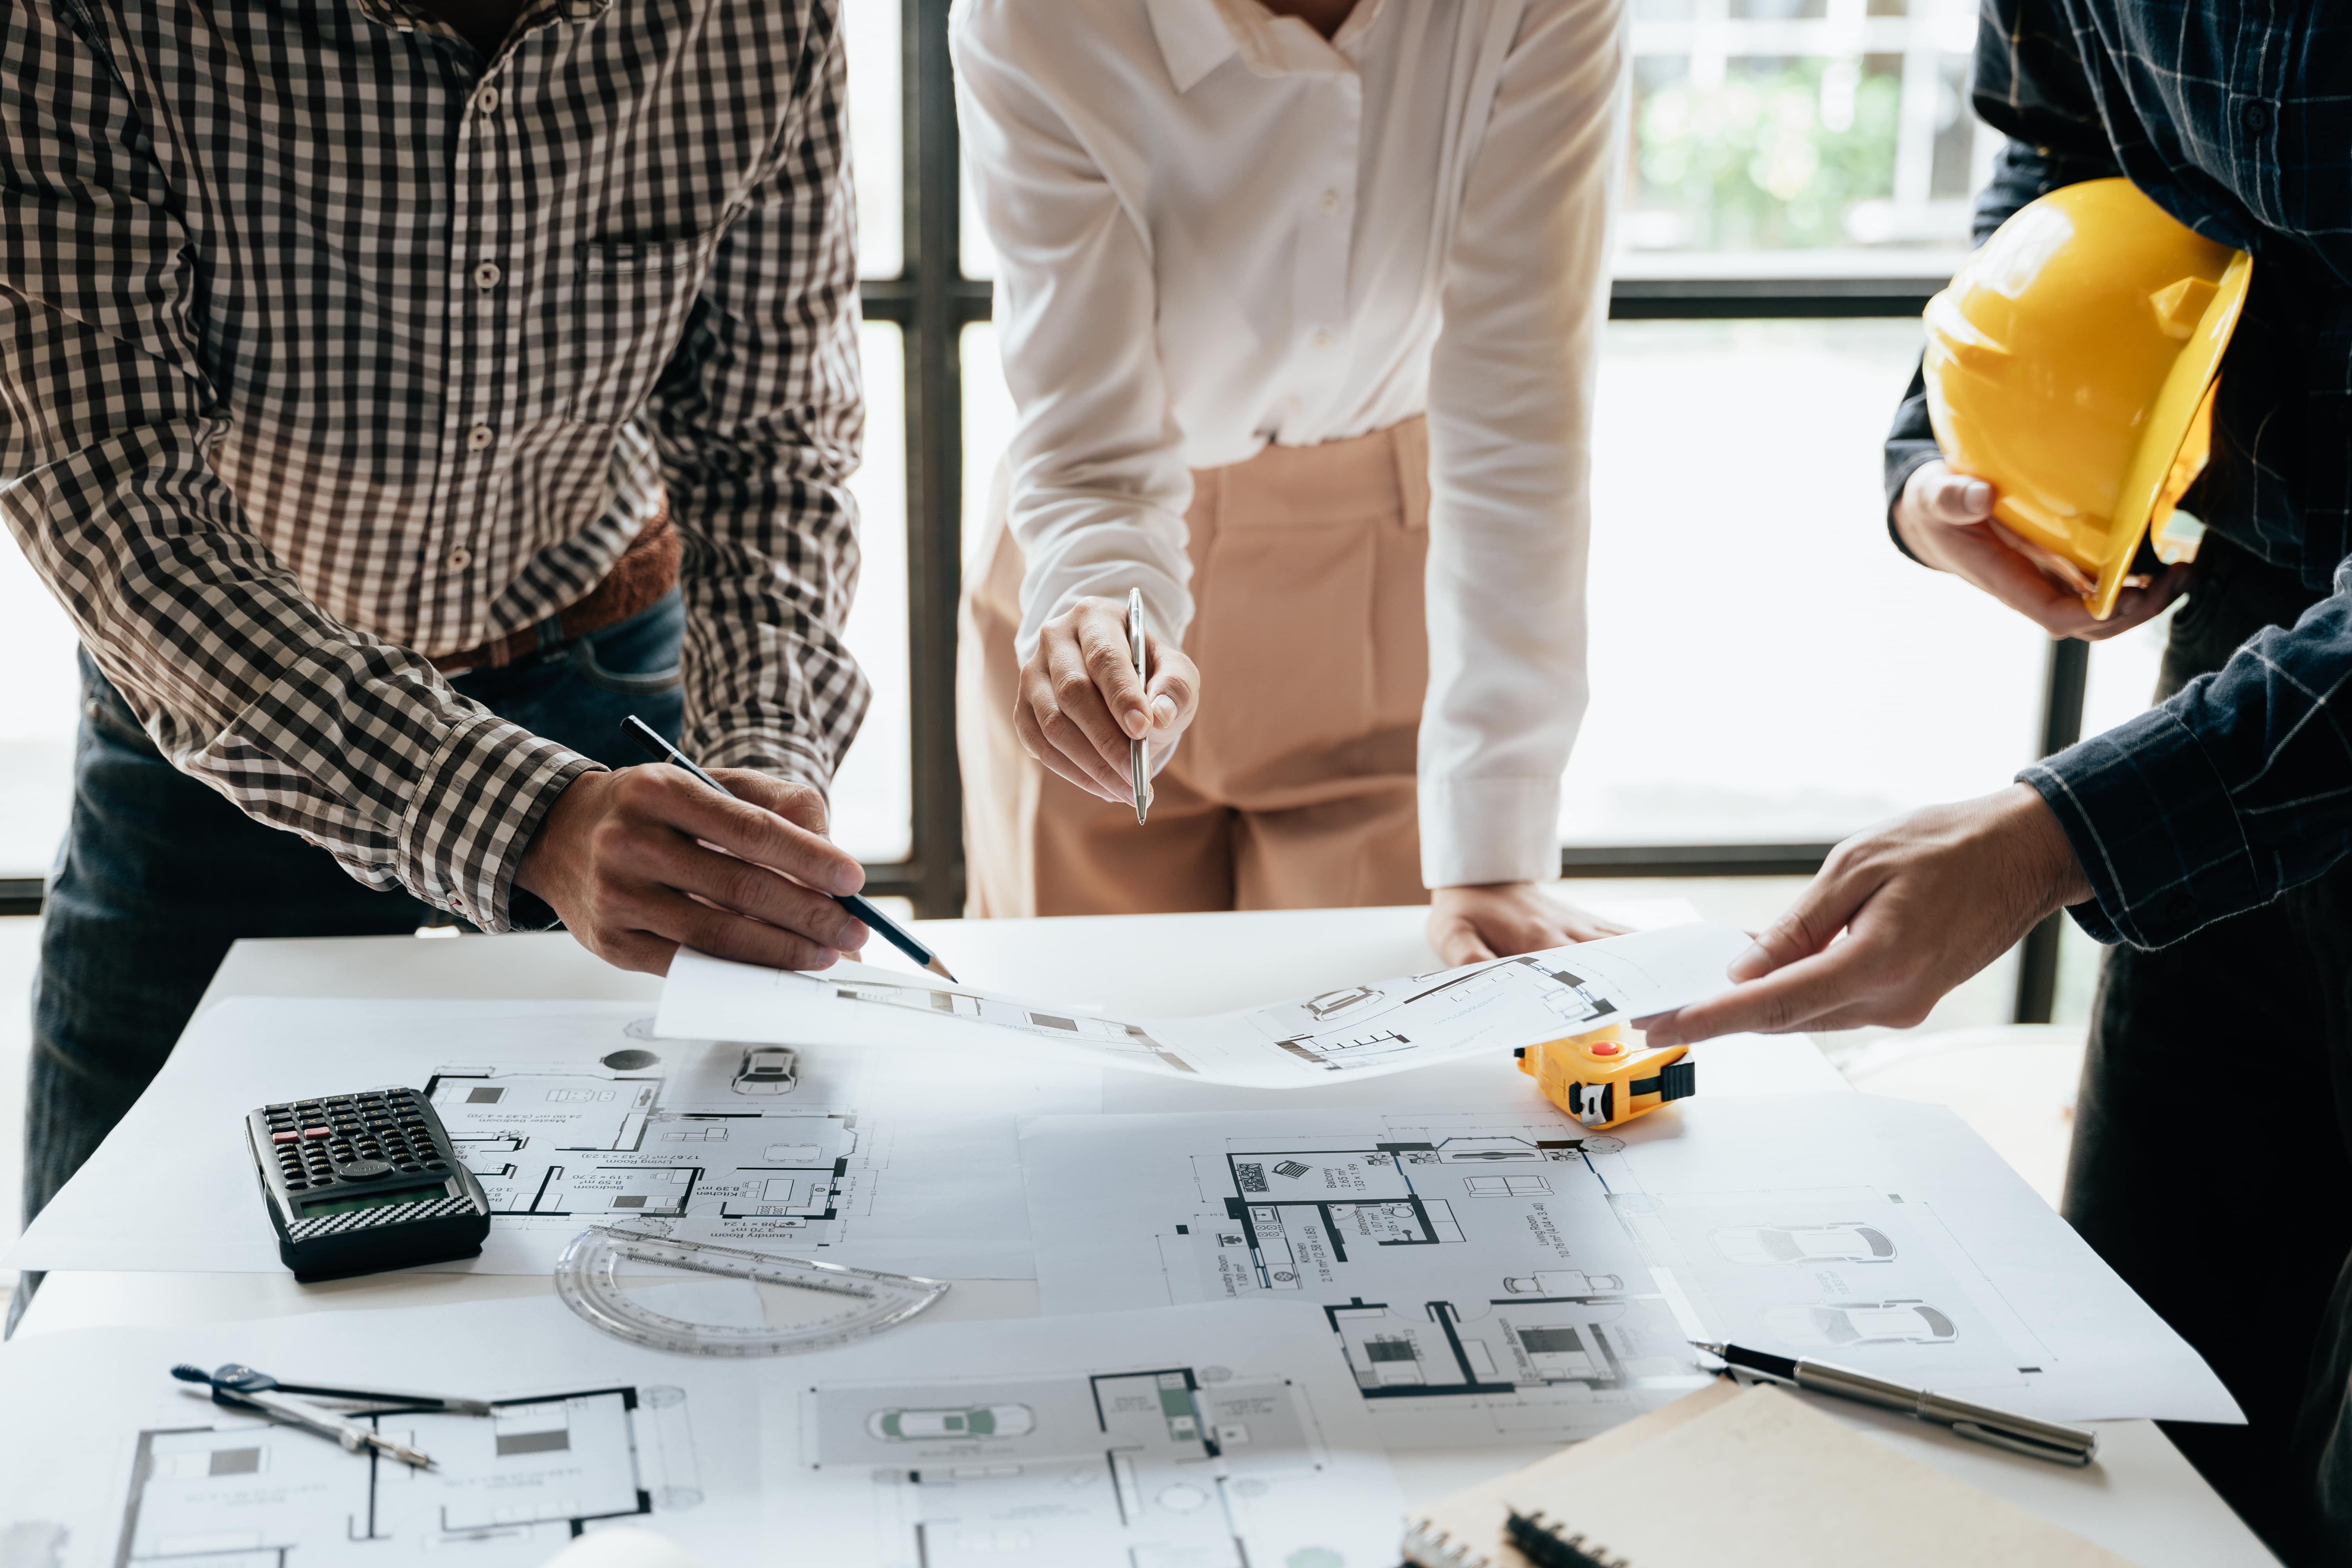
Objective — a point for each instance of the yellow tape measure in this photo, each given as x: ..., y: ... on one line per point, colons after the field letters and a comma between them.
x: 1604, y: 1082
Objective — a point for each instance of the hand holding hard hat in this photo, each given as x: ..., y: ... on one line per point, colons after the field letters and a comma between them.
x: 1947, y: 519
x: 2071, y: 365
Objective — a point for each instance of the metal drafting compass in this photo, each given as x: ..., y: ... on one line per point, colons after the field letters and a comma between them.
x: 596, y: 1274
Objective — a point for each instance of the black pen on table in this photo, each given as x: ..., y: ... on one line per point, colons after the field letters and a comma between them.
x: 649, y: 740
x: 2052, y: 1440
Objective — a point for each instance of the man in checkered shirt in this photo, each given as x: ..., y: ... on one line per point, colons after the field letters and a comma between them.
x: 2211, y: 837
x: 396, y: 394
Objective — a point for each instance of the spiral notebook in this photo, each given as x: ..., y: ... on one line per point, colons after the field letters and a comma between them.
x: 1729, y: 1475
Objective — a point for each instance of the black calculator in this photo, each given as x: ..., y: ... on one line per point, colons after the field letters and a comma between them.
x: 357, y: 1183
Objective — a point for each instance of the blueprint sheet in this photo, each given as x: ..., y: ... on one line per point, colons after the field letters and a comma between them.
x: 1356, y: 1031
x: 1505, y: 1277
x: 1204, y: 1438
x: 570, y: 1113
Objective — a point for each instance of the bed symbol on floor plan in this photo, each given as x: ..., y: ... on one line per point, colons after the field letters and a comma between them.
x: 1563, y: 1282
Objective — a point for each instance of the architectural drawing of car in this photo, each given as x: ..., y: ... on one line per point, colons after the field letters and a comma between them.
x: 972, y: 1421
x: 768, y: 1069
x: 1837, y: 1323
x: 1804, y: 1244
x: 1334, y: 1002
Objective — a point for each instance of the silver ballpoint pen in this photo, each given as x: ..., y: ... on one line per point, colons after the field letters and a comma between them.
x: 1139, y: 751
x: 2050, y: 1440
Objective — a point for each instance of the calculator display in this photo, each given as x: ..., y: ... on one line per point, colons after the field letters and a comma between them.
x: 371, y: 1200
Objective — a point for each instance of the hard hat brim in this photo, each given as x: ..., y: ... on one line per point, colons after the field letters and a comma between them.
x: 2168, y: 423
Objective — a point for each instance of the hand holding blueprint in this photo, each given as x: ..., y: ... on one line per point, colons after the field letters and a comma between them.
x: 1359, y: 1031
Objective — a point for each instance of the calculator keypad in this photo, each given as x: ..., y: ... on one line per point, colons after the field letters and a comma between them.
x: 354, y: 1138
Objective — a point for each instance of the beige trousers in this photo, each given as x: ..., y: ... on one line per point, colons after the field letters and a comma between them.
x: 1294, y: 788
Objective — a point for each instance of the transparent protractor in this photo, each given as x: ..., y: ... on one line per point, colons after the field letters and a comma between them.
x: 605, y: 1274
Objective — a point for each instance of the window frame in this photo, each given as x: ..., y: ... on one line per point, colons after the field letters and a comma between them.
x: 931, y: 302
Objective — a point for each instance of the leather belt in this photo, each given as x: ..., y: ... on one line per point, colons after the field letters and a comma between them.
x: 645, y: 570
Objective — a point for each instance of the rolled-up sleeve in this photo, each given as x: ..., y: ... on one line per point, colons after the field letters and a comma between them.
x: 1510, y: 420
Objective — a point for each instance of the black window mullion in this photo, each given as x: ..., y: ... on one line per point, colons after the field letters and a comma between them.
x: 927, y: 301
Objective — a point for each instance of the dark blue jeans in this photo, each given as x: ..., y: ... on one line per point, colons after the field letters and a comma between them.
x: 160, y: 874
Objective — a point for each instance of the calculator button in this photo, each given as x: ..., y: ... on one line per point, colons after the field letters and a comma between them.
x: 298, y: 1186
x: 361, y: 1170
x: 434, y: 1166
x: 288, y: 1136
x: 314, y: 1132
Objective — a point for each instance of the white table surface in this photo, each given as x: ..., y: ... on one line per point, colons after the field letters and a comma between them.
x: 2141, y: 1500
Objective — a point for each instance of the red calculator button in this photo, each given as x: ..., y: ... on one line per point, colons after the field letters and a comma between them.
x: 316, y: 1132
x: 287, y: 1137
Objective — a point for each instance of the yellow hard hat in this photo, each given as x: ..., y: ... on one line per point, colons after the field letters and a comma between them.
x: 2071, y: 362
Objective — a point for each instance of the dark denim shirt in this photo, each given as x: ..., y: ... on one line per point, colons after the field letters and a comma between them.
x: 2238, y: 121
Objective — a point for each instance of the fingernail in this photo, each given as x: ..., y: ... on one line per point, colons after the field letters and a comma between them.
x: 1976, y: 495
x: 1135, y: 722
x: 1163, y: 712
x: 1750, y: 964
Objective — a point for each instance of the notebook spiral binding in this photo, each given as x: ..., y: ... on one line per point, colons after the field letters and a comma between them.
x: 1546, y: 1546
x: 1427, y: 1546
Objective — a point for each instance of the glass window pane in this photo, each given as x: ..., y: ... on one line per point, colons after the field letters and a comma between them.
x: 978, y: 256
x: 987, y: 429
x: 871, y: 34
x: 873, y: 792
x: 1834, y: 131
x: 38, y: 704
x: 1765, y: 666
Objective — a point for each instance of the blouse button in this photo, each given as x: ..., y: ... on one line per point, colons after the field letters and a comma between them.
x: 2255, y: 117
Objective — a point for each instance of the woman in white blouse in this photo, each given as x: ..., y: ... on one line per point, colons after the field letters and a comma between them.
x: 1298, y: 302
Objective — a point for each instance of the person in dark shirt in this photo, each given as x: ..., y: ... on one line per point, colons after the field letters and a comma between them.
x: 2211, y: 837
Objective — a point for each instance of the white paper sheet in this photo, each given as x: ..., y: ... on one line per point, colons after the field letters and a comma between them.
x: 1358, y: 1031
x: 1187, y: 1436
x: 1504, y: 1277
x: 909, y: 1164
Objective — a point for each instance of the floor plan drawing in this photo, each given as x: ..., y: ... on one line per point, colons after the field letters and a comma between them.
x: 232, y: 1492
x: 1366, y: 1030
x: 1171, y: 1439
x: 554, y: 1151
x: 1504, y: 1276
x: 1473, y: 1272
x: 573, y: 1114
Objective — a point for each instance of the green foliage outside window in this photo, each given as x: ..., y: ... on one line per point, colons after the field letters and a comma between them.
x: 1754, y: 165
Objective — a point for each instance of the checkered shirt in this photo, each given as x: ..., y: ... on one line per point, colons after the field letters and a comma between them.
x: 328, y: 345
x: 2234, y: 119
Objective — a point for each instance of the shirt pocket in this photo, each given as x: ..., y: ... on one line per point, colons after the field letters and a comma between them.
x: 630, y: 301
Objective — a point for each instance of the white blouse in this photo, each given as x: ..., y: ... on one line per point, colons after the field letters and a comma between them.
x: 1215, y: 229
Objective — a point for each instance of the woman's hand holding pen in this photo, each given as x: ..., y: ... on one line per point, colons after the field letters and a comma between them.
x: 1080, y: 702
